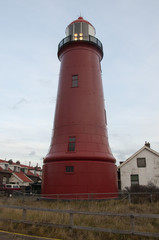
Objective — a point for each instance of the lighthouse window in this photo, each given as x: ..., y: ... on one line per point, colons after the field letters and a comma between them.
x: 77, y: 27
x: 74, y: 81
x: 70, y: 30
x: 85, y: 29
x: 69, y: 168
x: 71, y: 144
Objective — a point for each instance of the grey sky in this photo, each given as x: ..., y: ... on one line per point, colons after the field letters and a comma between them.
x: 30, y: 31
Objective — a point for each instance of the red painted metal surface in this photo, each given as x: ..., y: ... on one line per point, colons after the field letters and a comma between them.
x: 80, y: 19
x: 80, y: 114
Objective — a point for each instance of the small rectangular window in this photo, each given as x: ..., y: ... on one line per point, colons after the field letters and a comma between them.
x: 6, y: 166
x: 74, y: 81
x: 77, y: 27
x: 69, y: 168
x: 85, y: 29
x: 141, y: 162
x: 71, y: 144
x: 134, y: 180
x: 70, y: 29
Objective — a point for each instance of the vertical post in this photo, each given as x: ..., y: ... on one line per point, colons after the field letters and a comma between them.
x: 24, y: 214
x: 132, y: 223
x: 151, y: 198
x: 92, y: 196
x: 71, y: 219
x: 23, y: 196
x: 71, y: 223
x: 129, y: 196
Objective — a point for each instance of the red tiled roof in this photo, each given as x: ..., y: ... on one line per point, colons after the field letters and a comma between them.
x: 25, y: 166
x: 22, y: 176
x: 3, y: 161
x: 29, y: 173
x: 39, y: 176
x: 31, y: 167
x: 22, y: 165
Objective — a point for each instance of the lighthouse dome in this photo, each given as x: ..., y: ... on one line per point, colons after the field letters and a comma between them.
x: 80, y: 29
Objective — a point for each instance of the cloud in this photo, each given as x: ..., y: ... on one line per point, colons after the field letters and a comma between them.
x: 32, y: 153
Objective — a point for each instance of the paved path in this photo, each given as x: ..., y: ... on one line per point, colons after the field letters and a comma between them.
x: 16, y: 236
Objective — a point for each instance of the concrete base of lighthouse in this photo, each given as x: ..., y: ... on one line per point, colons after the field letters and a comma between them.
x: 88, y: 180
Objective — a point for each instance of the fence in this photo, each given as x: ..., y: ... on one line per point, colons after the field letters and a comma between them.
x: 72, y: 225
x: 133, y: 197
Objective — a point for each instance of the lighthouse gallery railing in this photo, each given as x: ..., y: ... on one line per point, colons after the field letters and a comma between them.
x: 88, y: 38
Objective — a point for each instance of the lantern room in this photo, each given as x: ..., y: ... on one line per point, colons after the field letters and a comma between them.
x: 80, y: 29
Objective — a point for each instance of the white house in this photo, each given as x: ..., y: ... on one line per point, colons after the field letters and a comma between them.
x: 141, y: 168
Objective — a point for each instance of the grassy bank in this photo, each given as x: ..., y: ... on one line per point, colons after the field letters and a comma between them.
x: 114, y: 206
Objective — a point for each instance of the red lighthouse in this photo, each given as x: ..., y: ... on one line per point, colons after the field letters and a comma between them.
x: 79, y: 162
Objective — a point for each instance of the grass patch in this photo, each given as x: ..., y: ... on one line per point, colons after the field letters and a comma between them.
x: 113, y: 206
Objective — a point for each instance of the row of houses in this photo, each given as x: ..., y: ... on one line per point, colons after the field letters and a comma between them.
x: 142, y: 168
x: 19, y: 174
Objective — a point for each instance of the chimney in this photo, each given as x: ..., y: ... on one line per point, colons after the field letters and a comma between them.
x: 147, y: 144
x: 10, y: 161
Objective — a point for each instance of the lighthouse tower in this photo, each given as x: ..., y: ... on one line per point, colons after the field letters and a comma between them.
x: 79, y: 163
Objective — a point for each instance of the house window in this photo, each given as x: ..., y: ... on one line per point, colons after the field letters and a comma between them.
x: 74, y: 81
x: 141, y: 162
x: 4, y: 180
x: 24, y: 170
x: 134, y: 180
x: 15, y: 169
x: 71, y: 144
x: 5, y: 166
x: 69, y: 168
